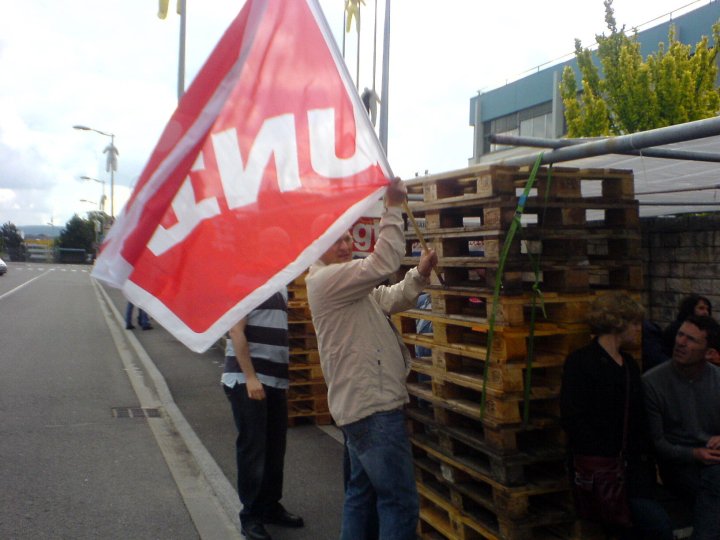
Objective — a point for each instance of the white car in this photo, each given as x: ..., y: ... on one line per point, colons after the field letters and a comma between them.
x: 3, y: 267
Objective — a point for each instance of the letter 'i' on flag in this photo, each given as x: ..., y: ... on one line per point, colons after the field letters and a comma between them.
x: 268, y: 158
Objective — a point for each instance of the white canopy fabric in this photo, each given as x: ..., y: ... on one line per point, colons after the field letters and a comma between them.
x: 653, y: 176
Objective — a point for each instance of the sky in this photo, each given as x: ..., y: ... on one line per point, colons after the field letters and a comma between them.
x: 112, y: 66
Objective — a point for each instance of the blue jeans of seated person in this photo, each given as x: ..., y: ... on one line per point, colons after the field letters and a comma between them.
x: 381, y: 475
x: 650, y: 521
x: 142, y: 318
x: 701, y: 484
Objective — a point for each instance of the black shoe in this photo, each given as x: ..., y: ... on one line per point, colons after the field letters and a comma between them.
x: 254, y: 530
x: 129, y: 327
x: 147, y: 327
x: 280, y: 516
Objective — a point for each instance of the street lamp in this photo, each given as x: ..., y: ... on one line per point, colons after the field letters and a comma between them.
x: 102, y: 199
x: 111, y: 163
x: 87, y: 201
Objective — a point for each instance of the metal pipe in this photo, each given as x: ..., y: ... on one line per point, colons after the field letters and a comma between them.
x: 623, y: 143
x: 658, y: 203
x: 663, y: 153
x: 181, y: 50
x: 679, y: 190
x: 385, y: 88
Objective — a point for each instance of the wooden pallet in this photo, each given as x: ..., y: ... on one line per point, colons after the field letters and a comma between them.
x: 499, y: 411
x: 563, y: 276
x: 487, y: 181
x: 305, y: 341
x: 472, y: 510
x: 512, y: 310
x: 302, y: 418
x: 505, y: 382
x: 466, y: 441
x: 468, y: 336
x: 305, y: 371
x: 477, y: 245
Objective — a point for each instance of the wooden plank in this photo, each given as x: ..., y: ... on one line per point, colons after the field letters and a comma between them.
x: 508, y: 467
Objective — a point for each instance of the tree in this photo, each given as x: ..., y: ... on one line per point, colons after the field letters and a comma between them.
x: 78, y: 234
x: 673, y: 86
x: 13, y: 241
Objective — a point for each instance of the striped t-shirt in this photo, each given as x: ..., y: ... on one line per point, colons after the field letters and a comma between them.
x: 267, y: 335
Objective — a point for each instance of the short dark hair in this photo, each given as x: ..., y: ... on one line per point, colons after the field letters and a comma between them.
x: 708, y: 325
x: 688, y: 303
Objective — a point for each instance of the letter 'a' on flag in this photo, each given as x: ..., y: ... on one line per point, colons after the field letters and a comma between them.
x: 268, y: 158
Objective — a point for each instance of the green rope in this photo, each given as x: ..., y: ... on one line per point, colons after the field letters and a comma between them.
x: 514, y: 226
x: 536, y: 294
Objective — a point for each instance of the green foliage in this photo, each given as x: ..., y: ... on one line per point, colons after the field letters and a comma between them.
x: 673, y: 86
x: 11, y: 235
x: 12, y: 241
x: 78, y: 233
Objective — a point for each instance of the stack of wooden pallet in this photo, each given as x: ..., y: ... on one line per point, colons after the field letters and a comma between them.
x: 307, y: 395
x: 495, y: 467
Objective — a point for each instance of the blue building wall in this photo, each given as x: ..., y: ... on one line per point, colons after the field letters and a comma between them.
x: 538, y: 87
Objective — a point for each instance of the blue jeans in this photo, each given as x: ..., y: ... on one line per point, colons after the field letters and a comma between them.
x: 381, y: 476
x: 650, y: 521
x: 698, y: 484
x: 142, y: 318
x: 259, y: 448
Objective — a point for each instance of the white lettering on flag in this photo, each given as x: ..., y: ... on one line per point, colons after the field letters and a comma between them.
x: 241, y: 183
x: 188, y: 212
x: 322, y: 155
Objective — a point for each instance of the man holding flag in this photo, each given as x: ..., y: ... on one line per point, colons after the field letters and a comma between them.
x: 365, y: 364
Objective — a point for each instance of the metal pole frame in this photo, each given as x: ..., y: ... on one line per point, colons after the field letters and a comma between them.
x: 621, y: 144
x: 383, y: 135
x: 662, y: 153
x: 181, y: 49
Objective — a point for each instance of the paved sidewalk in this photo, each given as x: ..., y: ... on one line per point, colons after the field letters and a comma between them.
x: 313, y: 465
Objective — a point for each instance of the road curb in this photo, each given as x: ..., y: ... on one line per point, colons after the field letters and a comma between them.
x: 210, y: 498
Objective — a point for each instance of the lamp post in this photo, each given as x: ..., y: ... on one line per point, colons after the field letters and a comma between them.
x: 102, y: 199
x: 111, y: 163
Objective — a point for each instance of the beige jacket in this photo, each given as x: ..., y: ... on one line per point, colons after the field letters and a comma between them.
x: 363, y: 359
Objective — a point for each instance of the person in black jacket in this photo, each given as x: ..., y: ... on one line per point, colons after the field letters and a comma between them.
x: 593, y: 397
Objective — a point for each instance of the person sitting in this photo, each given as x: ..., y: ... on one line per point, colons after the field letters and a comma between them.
x: 683, y: 406
x: 713, y: 352
x: 693, y: 304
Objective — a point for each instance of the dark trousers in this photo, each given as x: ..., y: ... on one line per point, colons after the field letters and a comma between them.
x: 259, y: 448
x: 699, y: 485
x: 142, y: 318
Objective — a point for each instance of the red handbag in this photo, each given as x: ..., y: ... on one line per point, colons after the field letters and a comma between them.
x: 600, y: 490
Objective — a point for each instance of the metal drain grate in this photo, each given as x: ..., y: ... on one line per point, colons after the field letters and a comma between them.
x: 135, y: 412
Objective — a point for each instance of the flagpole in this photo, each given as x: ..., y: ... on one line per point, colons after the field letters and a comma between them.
x: 181, y: 53
x: 385, y: 81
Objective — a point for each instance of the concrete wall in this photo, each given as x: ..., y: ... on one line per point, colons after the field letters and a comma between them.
x: 681, y: 255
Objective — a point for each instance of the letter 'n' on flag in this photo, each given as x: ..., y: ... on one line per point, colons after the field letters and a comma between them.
x: 268, y: 158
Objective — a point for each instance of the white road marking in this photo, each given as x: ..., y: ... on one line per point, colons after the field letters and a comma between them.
x: 22, y: 285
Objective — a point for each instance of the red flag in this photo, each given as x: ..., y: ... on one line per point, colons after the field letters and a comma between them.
x: 269, y: 157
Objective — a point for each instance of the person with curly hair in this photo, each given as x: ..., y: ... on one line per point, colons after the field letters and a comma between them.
x: 597, y: 404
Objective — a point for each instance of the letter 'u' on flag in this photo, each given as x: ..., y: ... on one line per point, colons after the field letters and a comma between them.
x: 267, y: 160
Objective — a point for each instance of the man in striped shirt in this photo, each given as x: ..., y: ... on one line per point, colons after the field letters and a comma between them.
x: 255, y: 380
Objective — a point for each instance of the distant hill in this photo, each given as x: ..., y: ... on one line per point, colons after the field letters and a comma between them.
x: 33, y: 231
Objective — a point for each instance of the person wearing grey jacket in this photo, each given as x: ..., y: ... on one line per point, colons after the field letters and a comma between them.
x: 365, y: 365
x: 682, y: 398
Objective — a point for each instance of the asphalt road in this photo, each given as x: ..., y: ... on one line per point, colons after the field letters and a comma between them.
x: 71, y: 468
